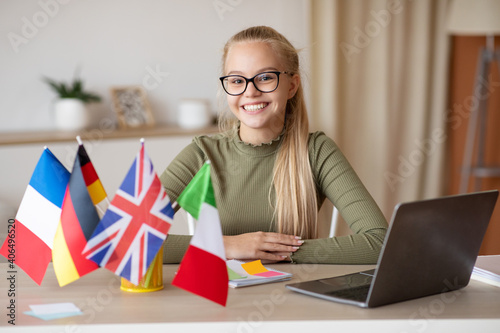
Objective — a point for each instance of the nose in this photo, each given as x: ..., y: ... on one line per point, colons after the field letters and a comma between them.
x: 251, y: 90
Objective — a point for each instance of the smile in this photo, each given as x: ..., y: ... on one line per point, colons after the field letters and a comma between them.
x: 255, y: 107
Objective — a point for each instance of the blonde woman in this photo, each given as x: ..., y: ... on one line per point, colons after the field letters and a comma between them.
x: 270, y: 175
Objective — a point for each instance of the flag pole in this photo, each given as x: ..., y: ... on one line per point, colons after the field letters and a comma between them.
x: 79, y: 140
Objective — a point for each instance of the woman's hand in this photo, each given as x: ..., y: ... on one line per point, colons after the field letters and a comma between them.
x: 267, y: 246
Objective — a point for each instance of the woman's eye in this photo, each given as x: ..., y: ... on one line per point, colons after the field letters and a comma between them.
x: 265, y: 77
x: 236, y: 80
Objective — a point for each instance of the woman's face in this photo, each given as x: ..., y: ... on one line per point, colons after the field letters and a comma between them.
x: 261, y: 115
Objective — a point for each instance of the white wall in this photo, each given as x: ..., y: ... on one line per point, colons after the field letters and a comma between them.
x: 121, y: 42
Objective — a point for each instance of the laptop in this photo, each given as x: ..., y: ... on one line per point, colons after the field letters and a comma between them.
x: 431, y: 247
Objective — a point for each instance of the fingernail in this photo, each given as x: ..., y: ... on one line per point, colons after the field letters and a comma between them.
x: 301, y: 242
x: 298, y: 237
x: 295, y: 248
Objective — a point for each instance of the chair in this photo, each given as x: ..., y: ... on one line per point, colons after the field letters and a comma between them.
x: 334, y: 223
x: 191, y: 224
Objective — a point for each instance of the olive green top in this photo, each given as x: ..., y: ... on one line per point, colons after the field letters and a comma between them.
x: 242, y: 175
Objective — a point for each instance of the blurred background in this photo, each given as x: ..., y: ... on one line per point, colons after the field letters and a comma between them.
x: 393, y: 82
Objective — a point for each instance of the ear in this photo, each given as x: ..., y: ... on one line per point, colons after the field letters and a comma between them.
x: 294, y: 85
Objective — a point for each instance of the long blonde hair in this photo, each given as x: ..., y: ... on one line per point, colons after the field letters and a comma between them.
x: 296, y: 206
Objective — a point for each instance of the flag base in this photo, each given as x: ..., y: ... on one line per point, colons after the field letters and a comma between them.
x: 151, y: 281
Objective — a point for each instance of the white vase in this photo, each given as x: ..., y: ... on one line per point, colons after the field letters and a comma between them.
x: 71, y: 114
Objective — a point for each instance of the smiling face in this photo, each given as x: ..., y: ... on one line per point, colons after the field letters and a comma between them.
x: 261, y: 115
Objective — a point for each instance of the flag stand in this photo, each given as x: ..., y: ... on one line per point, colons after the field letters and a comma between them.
x: 151, y: 281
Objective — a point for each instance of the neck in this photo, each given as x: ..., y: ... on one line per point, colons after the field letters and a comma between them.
x: 258, y: 136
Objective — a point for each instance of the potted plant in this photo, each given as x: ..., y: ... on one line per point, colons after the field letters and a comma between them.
x: 70, y: 108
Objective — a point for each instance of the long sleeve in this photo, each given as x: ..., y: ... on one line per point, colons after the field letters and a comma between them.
x: 337, y: 181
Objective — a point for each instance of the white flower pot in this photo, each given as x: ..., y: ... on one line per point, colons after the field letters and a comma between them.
x: 71, y: 114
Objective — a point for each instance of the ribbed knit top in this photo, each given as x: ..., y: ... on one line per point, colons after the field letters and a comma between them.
x: 242, y: 177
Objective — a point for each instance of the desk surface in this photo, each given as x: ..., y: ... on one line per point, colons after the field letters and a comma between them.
x: 263, y: 308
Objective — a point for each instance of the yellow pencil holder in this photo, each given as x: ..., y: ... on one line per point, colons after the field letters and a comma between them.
x: 151, y: 281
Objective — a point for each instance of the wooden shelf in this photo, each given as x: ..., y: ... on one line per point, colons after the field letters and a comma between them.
x: 18, y: 138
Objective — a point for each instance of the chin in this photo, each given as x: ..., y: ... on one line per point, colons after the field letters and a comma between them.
x: 253, y: 123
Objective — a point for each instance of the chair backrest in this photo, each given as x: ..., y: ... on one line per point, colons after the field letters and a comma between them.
x: 334, y: 223
x: 191, y: 224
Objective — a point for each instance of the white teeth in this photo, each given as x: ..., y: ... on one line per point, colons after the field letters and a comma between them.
x: 255, y: 107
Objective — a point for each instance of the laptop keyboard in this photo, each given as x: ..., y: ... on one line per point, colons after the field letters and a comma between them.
x: 356, y: 293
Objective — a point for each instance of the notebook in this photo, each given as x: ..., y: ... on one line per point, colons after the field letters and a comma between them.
x: 487, y: 270
x: 430, y: 247
x: 244, y: 274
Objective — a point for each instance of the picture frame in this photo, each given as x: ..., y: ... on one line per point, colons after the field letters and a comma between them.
x: 132, y: 107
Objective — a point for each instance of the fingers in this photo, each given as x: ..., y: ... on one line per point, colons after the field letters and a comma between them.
x: 271, y: 258
x: 274, y: 247
x: 261, y: 245
x: 274, y: 242
x: 291, y: 240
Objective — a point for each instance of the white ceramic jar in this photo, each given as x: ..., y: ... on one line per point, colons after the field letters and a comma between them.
x: 193, y: 114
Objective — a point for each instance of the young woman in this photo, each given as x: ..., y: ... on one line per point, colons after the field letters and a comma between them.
x: 270, y: 175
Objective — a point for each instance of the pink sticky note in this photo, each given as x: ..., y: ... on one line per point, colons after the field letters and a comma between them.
x: 268, y: 274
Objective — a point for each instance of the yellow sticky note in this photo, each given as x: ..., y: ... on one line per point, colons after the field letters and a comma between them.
x: 254, y: 267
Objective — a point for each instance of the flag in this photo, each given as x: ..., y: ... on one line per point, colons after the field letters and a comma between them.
x: 84, y: 196
x: 94, y: 186
x: 135, y: 225
x: 36, y: 221
x: 203, y: 269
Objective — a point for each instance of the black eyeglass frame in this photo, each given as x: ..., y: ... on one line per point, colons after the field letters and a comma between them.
x: 222, y: 78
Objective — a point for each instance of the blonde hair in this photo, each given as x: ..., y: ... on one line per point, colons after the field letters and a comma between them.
x: 296, y: 206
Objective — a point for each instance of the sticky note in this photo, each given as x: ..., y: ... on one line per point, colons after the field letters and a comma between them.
x: 233, y: 275
x: 269, y: 274
x: 254, y: 267
x: 54, y: 315
x: 54, y: 311
x: 54, y: 308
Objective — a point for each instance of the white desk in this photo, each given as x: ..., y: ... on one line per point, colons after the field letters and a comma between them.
x: 264, y: 308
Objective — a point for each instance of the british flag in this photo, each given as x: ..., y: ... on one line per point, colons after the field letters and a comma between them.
x: 137, y: 221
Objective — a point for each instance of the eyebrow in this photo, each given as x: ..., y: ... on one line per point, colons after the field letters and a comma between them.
x: 265, y: 69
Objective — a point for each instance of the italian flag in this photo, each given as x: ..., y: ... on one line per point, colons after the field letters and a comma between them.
x: 203, y: 269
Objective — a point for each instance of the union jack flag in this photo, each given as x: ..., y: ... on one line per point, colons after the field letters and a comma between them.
x: 135, y: 224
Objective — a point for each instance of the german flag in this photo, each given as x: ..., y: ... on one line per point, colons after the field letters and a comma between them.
x: 94, y: 186
x: 84, y: 202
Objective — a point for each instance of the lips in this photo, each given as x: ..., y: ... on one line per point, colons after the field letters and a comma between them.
x: 255, y: 107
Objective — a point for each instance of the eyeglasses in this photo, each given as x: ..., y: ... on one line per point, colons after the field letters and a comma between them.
x: 265, y: 82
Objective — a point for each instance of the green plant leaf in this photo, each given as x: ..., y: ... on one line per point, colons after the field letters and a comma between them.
x: 77, y: 86
x: 72, y: 90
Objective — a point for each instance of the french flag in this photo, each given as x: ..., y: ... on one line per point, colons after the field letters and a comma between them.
x: 29, y: 243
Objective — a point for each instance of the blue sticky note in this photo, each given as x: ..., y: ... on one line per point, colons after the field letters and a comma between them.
x: 53, y: 315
